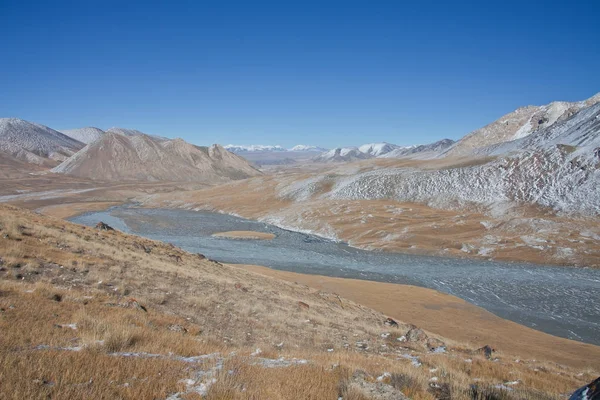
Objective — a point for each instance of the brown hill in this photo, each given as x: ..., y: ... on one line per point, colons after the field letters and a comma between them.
x: 117, y: 157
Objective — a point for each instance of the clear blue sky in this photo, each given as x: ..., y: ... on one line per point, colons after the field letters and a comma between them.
x: 324, y: 73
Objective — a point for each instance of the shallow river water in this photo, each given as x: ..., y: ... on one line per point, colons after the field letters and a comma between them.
x: 560, y: 301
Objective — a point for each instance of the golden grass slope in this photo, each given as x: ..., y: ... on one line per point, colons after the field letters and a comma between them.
x: 73, y: 325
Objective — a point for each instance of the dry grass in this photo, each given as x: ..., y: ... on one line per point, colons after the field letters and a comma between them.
x: 71, y: 302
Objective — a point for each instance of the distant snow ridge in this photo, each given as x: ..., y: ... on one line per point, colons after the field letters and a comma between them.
x: 378, y: 149
x: 304, y: 147
x: 423, y: 151
x: 35, y: 143
x: 84, y: 135
x: 342, y: 154
x: 253, y: 148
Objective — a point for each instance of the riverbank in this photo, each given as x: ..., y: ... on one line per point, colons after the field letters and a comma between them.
x: 450, y: 317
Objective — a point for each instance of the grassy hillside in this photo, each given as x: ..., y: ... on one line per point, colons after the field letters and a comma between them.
x: 87, y: 313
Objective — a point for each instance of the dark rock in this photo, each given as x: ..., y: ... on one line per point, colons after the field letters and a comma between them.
x: 104, y: 227
x: 391, y: 322
x: 487, y: 351
x: 588, y: 392
x: 56, y: 297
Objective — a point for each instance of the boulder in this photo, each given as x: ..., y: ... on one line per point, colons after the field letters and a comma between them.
x: 433, y: 344
x: 104, y: 227
x: 391, y: 322
x: 588, y: 392
x: 416, y: 335
x: 303, y: 305
x: 486, y: 351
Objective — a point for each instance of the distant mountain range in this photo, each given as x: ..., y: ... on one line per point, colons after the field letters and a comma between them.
x: 257, y: 148
x: 119, y: 153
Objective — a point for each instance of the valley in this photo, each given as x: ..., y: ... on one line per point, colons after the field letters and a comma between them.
x: 490, y: 240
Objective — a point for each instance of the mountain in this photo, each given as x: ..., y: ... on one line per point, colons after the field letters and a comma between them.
x: 84, y: 135
x: 34, y: 143
x: 556, y: 167
x: 342, y: 154
x: 423, y: 151
x: 378, y: 149
x: 308, y: 148
x: 518, y: 124
x: 133, y: 132
x: 253, y: 148
x: 140, y: 157
x: 579, y: 134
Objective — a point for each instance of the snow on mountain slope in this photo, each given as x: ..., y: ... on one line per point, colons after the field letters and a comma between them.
x: 378, y: 149
x: 423, y: 151
x: 580, y: 132
x: 118, y: 157
x: 304, y: 147
x: 556, y: 167
x: 342, y: 154
x: 253, y: 148
x: 518, y: 124
x: 35, y: 143
x: 84, y: 135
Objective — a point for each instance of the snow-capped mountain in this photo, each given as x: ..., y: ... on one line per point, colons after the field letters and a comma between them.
x: 518, y: 124
x: 84, y: 135
x: 556, y: 167
x: 140, y: 157
x: 342, y: 154
x: 304, y: 147
x: 378, y: 149
x: 253, y: 148
x: 34, y: 143
x: 423, y: 151
x: 257, y: 148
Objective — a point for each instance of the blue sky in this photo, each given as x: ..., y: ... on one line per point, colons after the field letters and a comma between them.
x: 325, y: 73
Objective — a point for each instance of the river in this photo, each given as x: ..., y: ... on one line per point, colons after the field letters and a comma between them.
x: 562, y: 301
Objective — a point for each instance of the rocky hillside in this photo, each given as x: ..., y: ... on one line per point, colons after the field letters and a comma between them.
x: 140, y: 157
x: 36, y: 144
x: 518, y: 124
x: 84, y: 135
